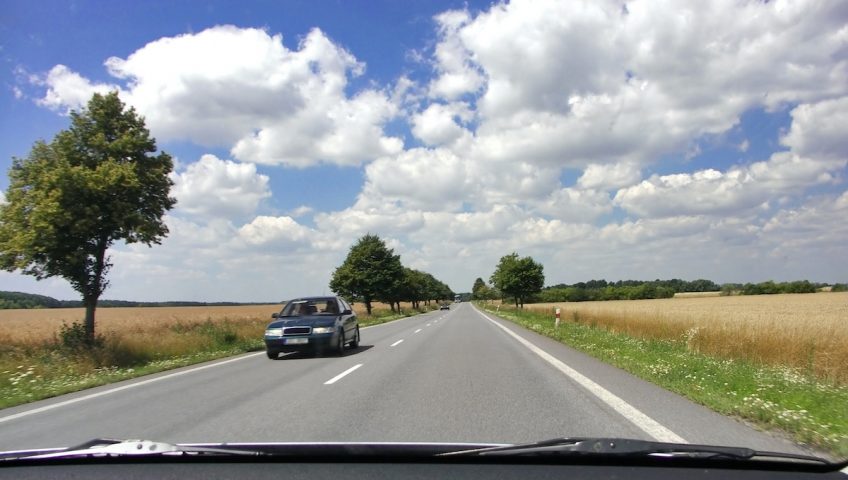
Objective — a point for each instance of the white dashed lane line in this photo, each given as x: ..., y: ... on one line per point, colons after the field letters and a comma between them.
x: 396, y: 343
x: 417, y: 331
x: 342, y: 375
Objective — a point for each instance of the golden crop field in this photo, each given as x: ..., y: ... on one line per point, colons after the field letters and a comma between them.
x: 803, y: 331
x: 35, y: 325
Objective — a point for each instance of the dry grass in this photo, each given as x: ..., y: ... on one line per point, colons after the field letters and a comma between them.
x: 808, y: 332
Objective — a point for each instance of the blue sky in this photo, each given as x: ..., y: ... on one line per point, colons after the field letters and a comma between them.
x: 654, y: 141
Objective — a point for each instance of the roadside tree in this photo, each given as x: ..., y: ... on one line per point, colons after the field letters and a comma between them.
x: 98, y: 182
x: 518, y: 277
x: 370, y: 272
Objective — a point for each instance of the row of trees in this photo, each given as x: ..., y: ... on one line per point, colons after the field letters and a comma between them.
x: 372, y: 272
x: 520, y: 280
x: 643, y: 291
x: 770, y: 288
x: 675, y: 284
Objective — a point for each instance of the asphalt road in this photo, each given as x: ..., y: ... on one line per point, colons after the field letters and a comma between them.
x: 457, y: 376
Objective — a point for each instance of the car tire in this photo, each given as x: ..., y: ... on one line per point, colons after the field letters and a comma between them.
x: 340, y: 345
x: 272, y: 354
x: 355, y: 342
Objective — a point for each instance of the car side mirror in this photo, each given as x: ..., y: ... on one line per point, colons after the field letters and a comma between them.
x: 346, y: 312
x: 275, y: 315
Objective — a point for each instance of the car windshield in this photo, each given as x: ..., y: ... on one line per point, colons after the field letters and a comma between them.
x: 477, y: 221
x: 323, y: 306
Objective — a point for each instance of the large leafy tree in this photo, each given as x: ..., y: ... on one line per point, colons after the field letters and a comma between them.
x: 97, y: 182
x: 518, y: 277
x: 478, y: 289
x: 370, y: 272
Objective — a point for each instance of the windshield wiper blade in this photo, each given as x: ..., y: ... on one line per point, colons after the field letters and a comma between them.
x: 104, y: 447
x: 623, y: 447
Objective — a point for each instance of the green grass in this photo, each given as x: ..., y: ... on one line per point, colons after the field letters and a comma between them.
x: 812, y: 412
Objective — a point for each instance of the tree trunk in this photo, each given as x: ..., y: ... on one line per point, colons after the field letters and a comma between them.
x: 90, y: 307
x: 92, y: 291
x: 368, y: 306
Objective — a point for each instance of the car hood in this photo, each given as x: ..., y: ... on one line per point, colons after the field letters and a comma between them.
x: 311, y: 320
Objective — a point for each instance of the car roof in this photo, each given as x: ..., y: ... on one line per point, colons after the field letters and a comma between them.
x: 309, y: 299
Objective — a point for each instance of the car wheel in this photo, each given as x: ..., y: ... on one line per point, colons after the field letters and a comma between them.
x: 340, y: 346
x: 355, y: 342
x: 272, y: 354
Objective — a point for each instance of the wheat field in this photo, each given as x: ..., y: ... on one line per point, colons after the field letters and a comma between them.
x: 807, y: 332
x: 30, y: 326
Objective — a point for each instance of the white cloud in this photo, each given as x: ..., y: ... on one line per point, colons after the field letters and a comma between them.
x: 609, y: 176
x: 817, y: 226
x: 68, y: 90
x: 212, y: 187
x: 242, y: 88
x: 419, y: 178
x: 575, y: 83
x: 732, y: 192
x: 818, y: 130
x: 438, y: 125
x: 282, y: 231
x: 457, y: 75
x: 301, y: 211
x: 350, y: 223
x: 576, y: 205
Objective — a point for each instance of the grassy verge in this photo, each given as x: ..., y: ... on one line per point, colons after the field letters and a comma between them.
x: 31, y: 371
x: 812, y: 411
x: 34, y: 371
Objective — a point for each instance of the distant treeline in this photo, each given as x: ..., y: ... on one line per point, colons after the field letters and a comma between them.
x: 596, y: 290
x: 771, y: 288
x: 30, y: 300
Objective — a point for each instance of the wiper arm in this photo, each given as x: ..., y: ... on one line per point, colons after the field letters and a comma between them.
x: 103, y: 447
x: 622, y: 447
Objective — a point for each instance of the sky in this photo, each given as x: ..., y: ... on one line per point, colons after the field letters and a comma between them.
x: 606, y: 139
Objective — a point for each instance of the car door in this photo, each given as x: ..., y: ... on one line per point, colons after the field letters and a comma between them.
x: 348, y: 319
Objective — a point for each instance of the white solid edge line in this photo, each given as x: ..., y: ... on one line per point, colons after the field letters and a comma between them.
x: 121, y: 388
x: 396, y: 343
x: 631, y: 413
x: 342, y: 375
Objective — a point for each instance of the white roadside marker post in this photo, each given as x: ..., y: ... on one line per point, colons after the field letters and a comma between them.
x: 556, y: 323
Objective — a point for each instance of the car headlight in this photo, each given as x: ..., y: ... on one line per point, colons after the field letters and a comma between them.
x: 323, y: 329
x: 274, y: 332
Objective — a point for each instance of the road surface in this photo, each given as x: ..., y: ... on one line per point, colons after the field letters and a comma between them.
x: 445, y: 376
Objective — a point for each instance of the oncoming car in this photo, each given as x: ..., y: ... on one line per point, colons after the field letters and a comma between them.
x: 444, y: 306
x: 314, y: 324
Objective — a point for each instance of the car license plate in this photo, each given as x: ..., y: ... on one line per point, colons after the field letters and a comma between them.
x: 296, y: 341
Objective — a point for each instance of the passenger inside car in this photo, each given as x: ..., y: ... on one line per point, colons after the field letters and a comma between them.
x: 331, y: 307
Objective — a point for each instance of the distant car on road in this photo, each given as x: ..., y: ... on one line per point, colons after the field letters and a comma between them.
x: 444, y: 306
x: 314, y: 324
